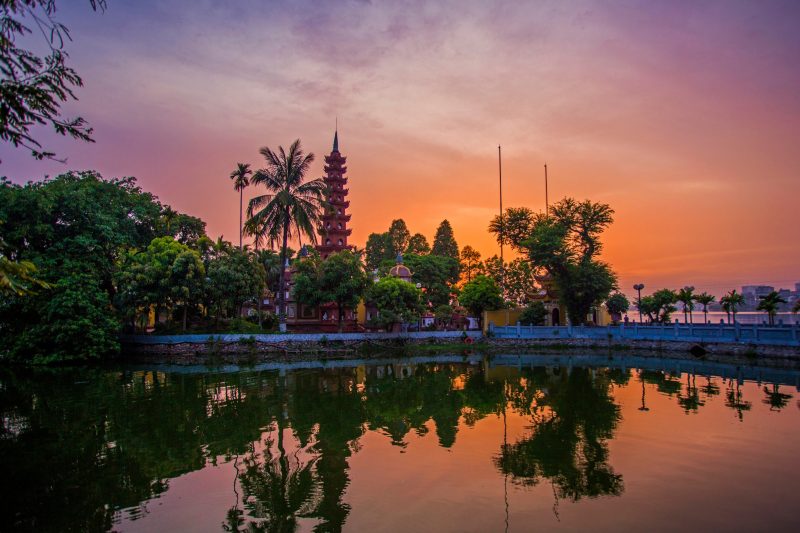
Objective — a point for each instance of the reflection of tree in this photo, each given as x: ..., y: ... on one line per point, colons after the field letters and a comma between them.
x: 735, y: 400
x: 664, y: 383
x: 568, y: 442
x: 776, y: 399
x: 278, y: 488
x: 710, y: 388
x: 690, y: 399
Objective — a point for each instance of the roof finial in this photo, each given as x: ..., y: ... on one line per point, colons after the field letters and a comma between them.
x: 336, y: 137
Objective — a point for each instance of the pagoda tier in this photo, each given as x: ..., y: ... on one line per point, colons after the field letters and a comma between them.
x: 341, y: 204
x: 333, y: 231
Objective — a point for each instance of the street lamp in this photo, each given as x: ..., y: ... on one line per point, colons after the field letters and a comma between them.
x: 638, y: 287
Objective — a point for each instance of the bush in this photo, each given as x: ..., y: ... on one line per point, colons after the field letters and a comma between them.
x: 533, y: 315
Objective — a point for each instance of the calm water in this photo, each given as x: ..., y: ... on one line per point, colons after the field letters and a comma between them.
x: 743, y: 317
x: 451, y: 444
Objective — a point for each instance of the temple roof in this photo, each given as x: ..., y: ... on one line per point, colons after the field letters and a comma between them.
x: 336, y: 141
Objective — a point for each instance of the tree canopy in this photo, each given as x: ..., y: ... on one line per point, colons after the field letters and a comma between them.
x: 397, y: 302
x: 33, y: 86
x: 566, y: 243
x: 340, y: 279
x: 444, y: 243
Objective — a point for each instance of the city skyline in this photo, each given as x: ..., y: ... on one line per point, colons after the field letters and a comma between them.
x: 680, y: 116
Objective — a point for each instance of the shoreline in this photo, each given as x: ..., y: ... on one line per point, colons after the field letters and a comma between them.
x: 247, y: 350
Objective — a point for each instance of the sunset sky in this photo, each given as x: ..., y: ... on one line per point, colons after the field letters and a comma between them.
x: 684, y: 116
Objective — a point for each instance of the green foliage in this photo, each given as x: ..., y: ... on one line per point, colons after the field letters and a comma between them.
x: 291, y: 208
x: 770, y: 304
x: 165, y: 275
x: 730, y: 302
x: 399, y: 236
x: 566, y: 244
x: 444, y: 243
x: 686, y: 297
x: 443, y: 315
x: 75, y: 229
x: 704, y: 299
x: 18, y: 277
x: 418, y: 245
x: 479, y: 295
x: 397, y: 301
x: 379, y: 249
x: 617, y: 304
x: 340, y: 279
x: 470, y: 263
x: 234, y: 277
x: 659, y: 306
x: 534, y: 314
x: 33, y: 87
x: 514, y: 226
x: 436, y: 274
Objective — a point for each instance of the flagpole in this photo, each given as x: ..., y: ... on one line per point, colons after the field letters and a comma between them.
x: 546, y: 202
x: 502, y: 228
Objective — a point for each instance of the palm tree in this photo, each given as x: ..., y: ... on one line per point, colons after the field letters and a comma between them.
x: 241, y: 180
x: 704, y: 299
x: 291, y: 208
x: 770, y: 304
x: 686, y: 297
x: 729, y: 303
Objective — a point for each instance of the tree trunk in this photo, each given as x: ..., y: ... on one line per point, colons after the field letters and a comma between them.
x: 241, y: 199
x: 282, y: 277
x: 340, y: 309
x: 185, y: 307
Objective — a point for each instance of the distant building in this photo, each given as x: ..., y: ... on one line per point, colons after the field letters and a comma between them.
x: 753, y: 293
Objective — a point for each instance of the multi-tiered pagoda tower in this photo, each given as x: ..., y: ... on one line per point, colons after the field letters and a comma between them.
x: 334, y: 231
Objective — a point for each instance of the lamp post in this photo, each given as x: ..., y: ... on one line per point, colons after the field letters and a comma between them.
x: 638, y: 287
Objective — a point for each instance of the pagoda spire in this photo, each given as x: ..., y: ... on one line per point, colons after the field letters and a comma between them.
x: 334, y: 231
x: 336, y: 137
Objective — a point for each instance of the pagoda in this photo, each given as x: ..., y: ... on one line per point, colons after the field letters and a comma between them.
x: 334, y: 231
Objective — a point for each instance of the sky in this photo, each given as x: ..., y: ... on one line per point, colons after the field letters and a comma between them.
x: 684, y: 116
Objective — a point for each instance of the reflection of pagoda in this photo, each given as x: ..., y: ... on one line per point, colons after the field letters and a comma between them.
x: 334, y: 231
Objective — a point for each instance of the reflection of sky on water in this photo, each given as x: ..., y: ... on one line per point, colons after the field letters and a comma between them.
x: 557, y: 441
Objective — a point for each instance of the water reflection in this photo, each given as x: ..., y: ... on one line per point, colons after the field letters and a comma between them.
x: 87, y: 450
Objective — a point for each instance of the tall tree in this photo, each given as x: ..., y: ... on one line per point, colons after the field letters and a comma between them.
x: 659, y: 306
x: 241, y: 179
x: 74, y: 228
x: 514, y: 226
x: 617, y: 304
x: 292, y: 206
x: 436, y: 274
x: 567, y: 244
x: 340, y: 279
x: 33, y: 87
x: 444, y: 243
x: 479, y: 295
x: 704, y: 299
x: 397, y: 302
x: 418, y: 245
x: 378, y: 249
x: 470, y: 263
x: 771, y: 303
x: 687, y: 298
x: 730, y: 302
x: 398, y: 236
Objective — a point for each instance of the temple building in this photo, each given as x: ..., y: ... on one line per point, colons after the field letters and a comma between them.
x: 333, y: 235
x: 334, y: 230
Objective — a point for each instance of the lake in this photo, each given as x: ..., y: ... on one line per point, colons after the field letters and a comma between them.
x: 451, y: 443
